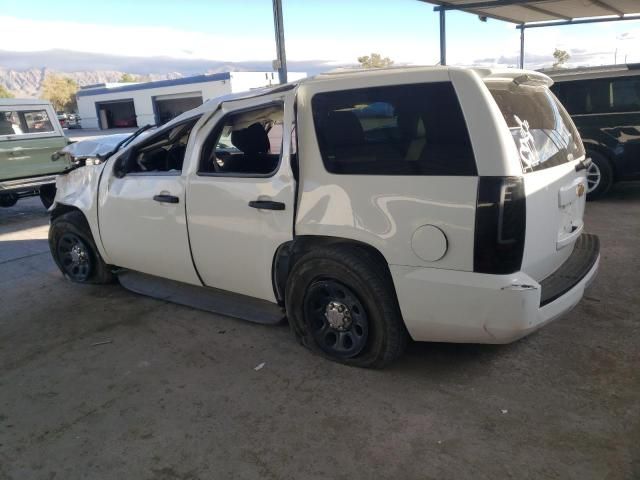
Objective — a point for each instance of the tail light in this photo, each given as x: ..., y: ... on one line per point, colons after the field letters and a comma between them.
x: 500, y: 225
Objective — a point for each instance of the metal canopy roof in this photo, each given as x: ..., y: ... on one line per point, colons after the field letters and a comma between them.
x: 529, y: 11
x: 537, y: 13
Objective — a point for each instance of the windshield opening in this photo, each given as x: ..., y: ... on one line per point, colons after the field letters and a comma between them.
x: 541, y: 128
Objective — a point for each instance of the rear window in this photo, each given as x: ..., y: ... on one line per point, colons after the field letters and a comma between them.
x: 398, y: 130
x: 541, y: 128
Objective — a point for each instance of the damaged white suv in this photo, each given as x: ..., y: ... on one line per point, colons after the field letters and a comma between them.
x: 441, y: 204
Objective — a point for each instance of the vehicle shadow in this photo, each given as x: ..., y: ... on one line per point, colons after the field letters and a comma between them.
x: 622, y: 192
x: 440, y: 360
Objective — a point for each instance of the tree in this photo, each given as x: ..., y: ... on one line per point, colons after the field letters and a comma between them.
x: 60, y: 91
x: 127, y: 78
x: 374, y: 61
x: 561, y: 56
x: 5, y: 93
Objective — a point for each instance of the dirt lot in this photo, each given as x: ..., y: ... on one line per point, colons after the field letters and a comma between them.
x: 174, y: 394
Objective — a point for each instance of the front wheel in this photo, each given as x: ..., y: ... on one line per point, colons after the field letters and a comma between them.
x: 74, y: 250
x: 341, y: 303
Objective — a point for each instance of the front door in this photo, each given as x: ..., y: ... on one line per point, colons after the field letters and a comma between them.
x: 142, y: 207
x: 241, y: 195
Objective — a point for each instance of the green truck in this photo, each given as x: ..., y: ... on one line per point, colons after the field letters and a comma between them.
x: 30, y: 134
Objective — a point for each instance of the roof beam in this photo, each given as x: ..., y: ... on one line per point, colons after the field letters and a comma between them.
x: 578, y: 21
x: 484, y: 4
x: 472, y: 11
x: 544, y: 11
x: 603, y: 4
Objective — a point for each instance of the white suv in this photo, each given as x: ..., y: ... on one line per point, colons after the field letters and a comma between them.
x: 441, y: 204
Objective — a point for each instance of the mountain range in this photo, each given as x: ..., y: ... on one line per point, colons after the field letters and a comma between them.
x: 22, y: 73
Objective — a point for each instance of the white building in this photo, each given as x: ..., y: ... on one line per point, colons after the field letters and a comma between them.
x: 115, y: 105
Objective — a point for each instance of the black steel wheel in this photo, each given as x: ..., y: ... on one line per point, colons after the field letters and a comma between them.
x: 337, y: 319
x: 75, y: 257
x: 74, y: 250
x: 341, y: 303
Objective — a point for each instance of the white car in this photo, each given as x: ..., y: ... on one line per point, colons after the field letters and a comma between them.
x: 442, y: 204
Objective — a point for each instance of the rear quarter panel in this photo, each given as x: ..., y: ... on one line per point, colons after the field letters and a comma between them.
x: 385, y: 211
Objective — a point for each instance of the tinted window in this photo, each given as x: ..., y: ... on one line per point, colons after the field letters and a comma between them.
x: 19, y: 122
x: 398, y: 130
x: 163, y: 152
x: 542, y: 130
x: 603, y: 95
x: 247, y: 143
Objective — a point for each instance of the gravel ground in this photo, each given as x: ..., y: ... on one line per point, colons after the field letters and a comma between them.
x: 174, y: 394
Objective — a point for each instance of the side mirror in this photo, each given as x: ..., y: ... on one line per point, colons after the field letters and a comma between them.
x: 120, y: 167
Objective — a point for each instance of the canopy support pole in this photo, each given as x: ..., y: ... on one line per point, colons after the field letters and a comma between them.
x: 443, y: 38
x: 278, y: 22
x: 522, y: 47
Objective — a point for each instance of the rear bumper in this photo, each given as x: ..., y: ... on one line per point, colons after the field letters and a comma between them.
x: 465, y: 307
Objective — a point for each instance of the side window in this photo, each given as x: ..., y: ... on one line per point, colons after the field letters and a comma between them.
x: 625, y: 94
x: 247, y: 142
x: 603, y: 95
x: 37, y: 121
x: 10, y: 123
x: 399, y: 130
x: 163, y: 152
x: 19, y: 122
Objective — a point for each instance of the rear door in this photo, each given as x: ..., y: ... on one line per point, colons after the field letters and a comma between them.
x: 240, y: 195
x: 29, y: 135
x: 549, y: 150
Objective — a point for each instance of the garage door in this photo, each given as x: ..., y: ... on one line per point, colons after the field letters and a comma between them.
x: 168, y: 107
x: 117, y: 114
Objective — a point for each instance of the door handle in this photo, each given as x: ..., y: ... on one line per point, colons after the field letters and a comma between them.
x: 166, y: 199
x: 266, y: 205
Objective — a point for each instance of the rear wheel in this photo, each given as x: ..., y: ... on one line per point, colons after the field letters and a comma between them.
x: 599, y: 176
x: 341, y: 303
x: 8, y: 200
x: 47, y: 195
x: 75, y: 252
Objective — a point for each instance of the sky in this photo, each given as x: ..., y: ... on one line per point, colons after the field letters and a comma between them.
x: 332, y: 31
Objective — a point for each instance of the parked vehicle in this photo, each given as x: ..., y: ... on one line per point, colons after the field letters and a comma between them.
x: 63, y: 119
x: 604, y: 103
x: 29, y: 135
x: 454, y: 213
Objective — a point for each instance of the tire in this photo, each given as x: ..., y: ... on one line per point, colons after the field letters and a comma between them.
x: 8, y: 200
x: 330, y: 278
x: 601, y: 172
x: 47, y: 195
x: 75, y: 252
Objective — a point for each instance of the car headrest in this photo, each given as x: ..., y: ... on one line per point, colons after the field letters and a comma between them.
x: 343, y: 129
x: 251, y: 140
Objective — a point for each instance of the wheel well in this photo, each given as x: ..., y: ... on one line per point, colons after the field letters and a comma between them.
x: 288, y: 254
x: 606, y: 154
x: 61, y: 209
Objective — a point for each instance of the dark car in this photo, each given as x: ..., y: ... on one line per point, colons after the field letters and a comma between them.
x: 604, y: 103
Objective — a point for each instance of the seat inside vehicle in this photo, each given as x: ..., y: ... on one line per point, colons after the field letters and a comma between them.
x: 246, y: 143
